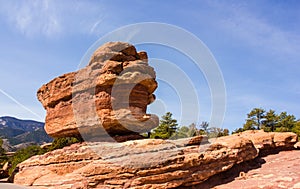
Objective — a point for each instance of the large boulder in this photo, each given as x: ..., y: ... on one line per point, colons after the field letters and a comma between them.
x: 107, y: 97
x: 148, y: 163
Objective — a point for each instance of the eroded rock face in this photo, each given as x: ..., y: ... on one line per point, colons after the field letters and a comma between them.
x: 109, y: 95
x: 270, y: 142
x: 274, y: 172
x: 148, y: 163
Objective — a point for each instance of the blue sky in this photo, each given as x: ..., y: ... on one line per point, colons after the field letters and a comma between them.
x: 256, y: 44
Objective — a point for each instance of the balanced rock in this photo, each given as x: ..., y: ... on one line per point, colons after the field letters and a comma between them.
x: 108, y: 97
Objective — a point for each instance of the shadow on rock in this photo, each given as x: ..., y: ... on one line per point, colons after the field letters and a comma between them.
x: 236, y: 172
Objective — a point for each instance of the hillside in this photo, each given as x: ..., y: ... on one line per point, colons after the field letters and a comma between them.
x: 21, y: 133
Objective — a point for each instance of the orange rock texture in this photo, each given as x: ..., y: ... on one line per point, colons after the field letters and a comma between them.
x: 108, y: 97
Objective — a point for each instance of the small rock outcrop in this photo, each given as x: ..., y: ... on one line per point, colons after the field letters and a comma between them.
x: 108, y: 96
x: 270, y: 142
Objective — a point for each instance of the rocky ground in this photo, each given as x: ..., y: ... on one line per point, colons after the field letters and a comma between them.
x: 155, y: 163
x: 280, y: 170
x: 273, y: 171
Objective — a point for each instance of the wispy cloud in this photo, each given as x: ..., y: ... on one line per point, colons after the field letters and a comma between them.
x: 248, y: 26
x: 32, y: 17
x: 52, y: 18
x: 95, y: 26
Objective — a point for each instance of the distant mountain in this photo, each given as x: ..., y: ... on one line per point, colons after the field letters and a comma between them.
x: 22, y: 132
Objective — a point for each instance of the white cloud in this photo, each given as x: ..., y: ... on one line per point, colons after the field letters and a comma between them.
x: 52, y: 18
x: 32, y: 17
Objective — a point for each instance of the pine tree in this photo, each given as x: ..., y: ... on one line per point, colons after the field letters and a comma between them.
x: 270, y: 122
x: 167, y: 127
x: 254, y: 120
x: 286, y: 122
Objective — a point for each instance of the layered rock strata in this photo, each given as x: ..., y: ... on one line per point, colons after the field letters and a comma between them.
x: 148, y: 163
x: 107, y: 97
x: 270, y: 142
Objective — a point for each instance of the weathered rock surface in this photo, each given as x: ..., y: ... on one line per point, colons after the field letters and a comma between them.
x: 273, y: 171
x: 148, y: 163
x: 109, y: 95
x: 270, y: 142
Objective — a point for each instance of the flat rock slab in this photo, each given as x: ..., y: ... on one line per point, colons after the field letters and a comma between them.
x: 11, y: 186
x: 280, y: 170
x: 161, y: 164
x: 141, y: 164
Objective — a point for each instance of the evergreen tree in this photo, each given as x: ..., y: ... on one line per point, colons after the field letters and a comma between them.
x: 254, y: 119
x: 296, y: 128
x: 167, y: 127
x: 286, y: 122
x: 270, y: 122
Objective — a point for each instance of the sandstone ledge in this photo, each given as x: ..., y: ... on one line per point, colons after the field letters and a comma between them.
x: 147, y: 163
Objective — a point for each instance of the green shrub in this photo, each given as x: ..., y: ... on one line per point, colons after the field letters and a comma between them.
x: 3, y: 157
x: 59, y: 143
x: 23, y: 154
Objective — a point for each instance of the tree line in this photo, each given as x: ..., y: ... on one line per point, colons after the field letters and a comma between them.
x: 257, y: 118
x: 168, y: 129
x: 25, y: 153
x: 270, y: 121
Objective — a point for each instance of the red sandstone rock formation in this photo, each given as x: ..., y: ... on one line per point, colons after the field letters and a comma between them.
x: 271, y: 172
x: 270, y: 142
x: 148, y: 163
x: 110, y: 95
